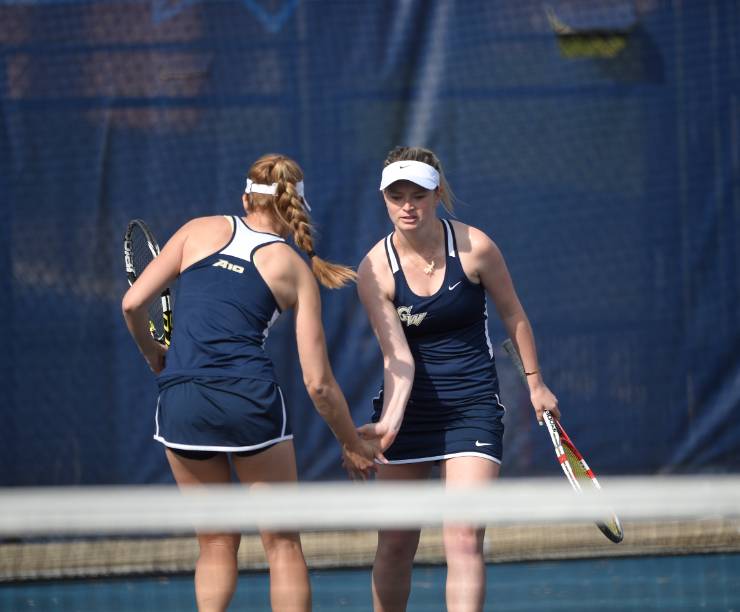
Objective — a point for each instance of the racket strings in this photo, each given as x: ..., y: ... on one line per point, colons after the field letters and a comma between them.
x: 142, y: 256
x: 610, y: 527
x: 156, y: 319
x: 579, y: 471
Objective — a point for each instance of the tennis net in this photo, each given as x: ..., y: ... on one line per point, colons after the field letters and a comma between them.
x: 77, y: 534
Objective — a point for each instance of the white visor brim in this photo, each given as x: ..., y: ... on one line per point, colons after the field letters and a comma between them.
x: 417, y: 172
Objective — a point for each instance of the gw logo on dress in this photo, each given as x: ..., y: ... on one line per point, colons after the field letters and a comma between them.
x: 404, y: 313
x: 222, y: 263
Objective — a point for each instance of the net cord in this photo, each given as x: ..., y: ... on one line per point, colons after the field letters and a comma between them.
x: 140, y: 510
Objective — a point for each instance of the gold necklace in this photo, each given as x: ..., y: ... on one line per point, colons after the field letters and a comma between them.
x: 429, y: 266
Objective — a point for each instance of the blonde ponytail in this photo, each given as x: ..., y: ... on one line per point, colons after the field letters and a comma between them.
x: 291, y: 211
x: 332, y: 275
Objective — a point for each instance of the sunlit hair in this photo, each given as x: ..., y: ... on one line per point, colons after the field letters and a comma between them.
x: 288, y: 209
x: 428, y: 157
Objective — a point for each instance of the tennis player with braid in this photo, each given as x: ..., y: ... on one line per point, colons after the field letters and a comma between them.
x: 424, y: 287
x: 219, y: 402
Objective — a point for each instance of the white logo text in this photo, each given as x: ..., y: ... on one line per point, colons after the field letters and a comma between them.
x: 222, y: 263
x: 404, y: 313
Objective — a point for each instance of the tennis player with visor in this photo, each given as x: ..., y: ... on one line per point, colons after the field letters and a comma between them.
x: 424, y: 287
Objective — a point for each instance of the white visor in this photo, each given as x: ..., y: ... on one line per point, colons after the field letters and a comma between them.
x: 253, y: 187
x: 409, y: 170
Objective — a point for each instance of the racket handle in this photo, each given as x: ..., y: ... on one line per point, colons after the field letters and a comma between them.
x: 509, y: 347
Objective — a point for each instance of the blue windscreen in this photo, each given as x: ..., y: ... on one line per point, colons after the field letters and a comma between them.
x: 603, y: 160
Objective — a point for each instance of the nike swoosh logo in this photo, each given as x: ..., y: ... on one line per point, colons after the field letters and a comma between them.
x: 451, y: 287
x: 402, y: 166
x: 477, y: 443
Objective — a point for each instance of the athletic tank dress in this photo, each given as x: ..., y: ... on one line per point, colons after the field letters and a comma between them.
x: 454, y: 408
x: 218, y: 391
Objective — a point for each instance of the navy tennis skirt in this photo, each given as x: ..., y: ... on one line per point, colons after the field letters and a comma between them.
x: 222, y: 414
x: 434, y: 432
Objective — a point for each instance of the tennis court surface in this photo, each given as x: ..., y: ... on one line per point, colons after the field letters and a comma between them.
x: 684, y: 582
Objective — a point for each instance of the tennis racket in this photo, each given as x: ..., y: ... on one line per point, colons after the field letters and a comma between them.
x: 574, y: 466
x: 139, y: 249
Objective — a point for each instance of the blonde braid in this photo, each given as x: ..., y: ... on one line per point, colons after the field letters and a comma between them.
x: 291, y: 210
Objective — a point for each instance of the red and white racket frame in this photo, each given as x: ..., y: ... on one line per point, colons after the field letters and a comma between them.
x: 560, y: 437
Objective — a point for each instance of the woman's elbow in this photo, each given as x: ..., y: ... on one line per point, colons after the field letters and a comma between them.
x: 402, y: 365
x: 130, y: 304
x: 318, y: 389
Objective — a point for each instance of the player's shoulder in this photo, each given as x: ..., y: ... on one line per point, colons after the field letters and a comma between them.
x: 284, y: 271
x: 375, y: 257
x: 377, y: 250
x: 201, y: 229
x: 207, y: 223
x: 286, y: 254
x: 374, y: 275
x: 282, y: 258
x: 210, y: 219
x: 470, y: 238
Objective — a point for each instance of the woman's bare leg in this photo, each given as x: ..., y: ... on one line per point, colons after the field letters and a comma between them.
x: 216, y: 568
x: 290, y: 590
x: 466, y: 570
x: 394, y: 558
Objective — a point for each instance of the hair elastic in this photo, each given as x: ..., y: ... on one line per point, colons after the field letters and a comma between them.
x: 253, y: 187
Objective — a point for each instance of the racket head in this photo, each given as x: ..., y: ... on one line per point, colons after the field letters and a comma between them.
x: 581, y: 475
x: 612, y: 529
x: 140, y: 247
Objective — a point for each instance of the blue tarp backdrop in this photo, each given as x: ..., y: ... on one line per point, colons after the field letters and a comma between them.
x: 607, y: 169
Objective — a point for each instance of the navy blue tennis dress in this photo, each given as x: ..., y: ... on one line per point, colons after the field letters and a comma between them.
x: 454, y: 408
x: 218, y: 391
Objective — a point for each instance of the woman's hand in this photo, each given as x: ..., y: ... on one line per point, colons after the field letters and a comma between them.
x: 379, y: 433
x: 155, y: 355
x: 359, y: 461
x: 543, y: 399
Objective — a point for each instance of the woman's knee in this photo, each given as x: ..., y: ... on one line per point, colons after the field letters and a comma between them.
x: 221, y: 543
x: 397, y: 545
x: 463, y: 541
x: 281, y: 544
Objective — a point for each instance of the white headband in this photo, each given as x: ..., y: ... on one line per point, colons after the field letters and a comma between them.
x: 417, y: 172
x: 253, y: 187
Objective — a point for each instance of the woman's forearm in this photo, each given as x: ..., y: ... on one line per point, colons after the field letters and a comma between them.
x: 520, y: 332
x: 137, y: 321
x: 398, y: 378
x: 331, y: 405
